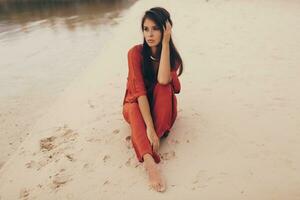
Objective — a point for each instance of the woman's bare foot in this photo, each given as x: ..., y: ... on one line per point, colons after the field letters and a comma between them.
x: 155, y: 178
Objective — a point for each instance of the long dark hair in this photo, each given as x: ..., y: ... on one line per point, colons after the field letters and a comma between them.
x: 160, y: 16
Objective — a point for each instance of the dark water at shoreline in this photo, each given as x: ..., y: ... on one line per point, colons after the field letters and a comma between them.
x: 73, y: 14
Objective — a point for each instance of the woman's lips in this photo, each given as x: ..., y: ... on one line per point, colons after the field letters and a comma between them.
x: 150, y: 41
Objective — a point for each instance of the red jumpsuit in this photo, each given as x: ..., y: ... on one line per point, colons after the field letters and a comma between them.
x: 163, y: 105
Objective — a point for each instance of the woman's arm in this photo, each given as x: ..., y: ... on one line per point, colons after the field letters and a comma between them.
x: 145, y: 111
x: 164, y: 69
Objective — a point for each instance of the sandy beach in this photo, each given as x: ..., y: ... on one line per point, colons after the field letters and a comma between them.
x: 237, y: 131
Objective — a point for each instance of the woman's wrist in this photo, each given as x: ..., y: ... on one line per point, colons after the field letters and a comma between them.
x: 165, y: 43
x: 150, y: 126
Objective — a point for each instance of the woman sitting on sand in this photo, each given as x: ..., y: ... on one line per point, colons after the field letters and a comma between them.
x: 150, y: 104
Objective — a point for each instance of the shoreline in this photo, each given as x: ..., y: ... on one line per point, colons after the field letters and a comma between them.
x: 33, y: 81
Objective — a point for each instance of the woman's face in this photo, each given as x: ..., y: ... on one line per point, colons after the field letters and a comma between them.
x: 152, y: 33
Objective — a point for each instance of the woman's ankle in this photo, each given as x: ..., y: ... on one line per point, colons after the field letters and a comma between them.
x: 148, y: 161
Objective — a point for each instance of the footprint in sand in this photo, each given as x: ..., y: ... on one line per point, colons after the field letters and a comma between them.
x: 31, y: 164
x: 70, y: 157
x: 24, y: 193
x: 106, y: 182
x: 69, y: 135
x: 106, y: 157
x: 128, y: 142
x: 53, y: 147
x: 47, y: 143
x: 64, y: 135
x: 104, y: 185
x: 131, y: 162
x: 59, y: 180
x: 168, y: 155
x: 116, y: 131
x: 128, y: 138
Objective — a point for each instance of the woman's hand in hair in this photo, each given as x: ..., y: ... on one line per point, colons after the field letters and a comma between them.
x: 153, y: 138
x: 167, y: 33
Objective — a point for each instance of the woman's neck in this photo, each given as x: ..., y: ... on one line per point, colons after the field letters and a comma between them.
x: 154, y: 52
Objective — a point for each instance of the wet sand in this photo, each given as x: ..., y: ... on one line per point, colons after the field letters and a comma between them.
x: 237, y: 132
x: 43, y: 48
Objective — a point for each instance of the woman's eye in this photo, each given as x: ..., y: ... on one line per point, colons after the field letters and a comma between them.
x: 156, y: 28
x: 145, y: 29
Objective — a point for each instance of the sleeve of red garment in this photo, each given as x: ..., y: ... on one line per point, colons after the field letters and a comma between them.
x: 135, y: 73
x: 175, y: 81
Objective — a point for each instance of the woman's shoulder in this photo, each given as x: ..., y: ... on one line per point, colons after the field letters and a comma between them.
x: 135, y: 50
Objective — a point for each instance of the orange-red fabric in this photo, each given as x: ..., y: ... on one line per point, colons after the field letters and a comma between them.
x: 163, y: 111
x: 163, y: 105
x: 135, y: 83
